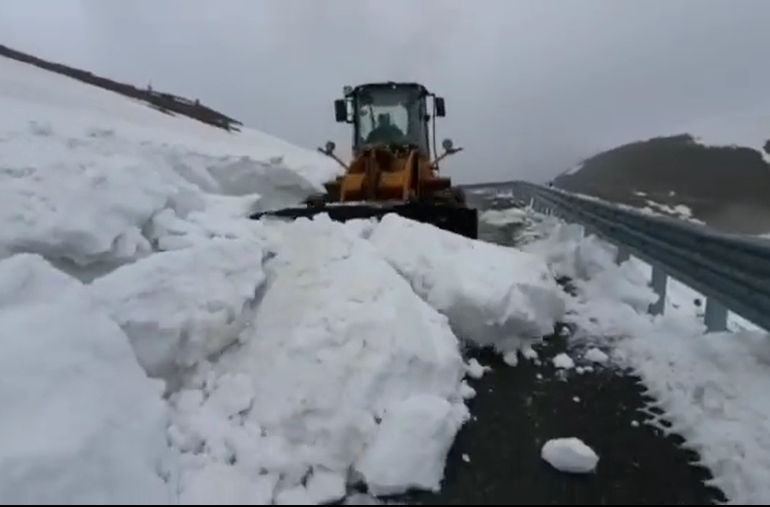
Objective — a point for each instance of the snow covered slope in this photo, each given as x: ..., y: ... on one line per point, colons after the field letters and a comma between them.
x: 157, y: 347
x: 92, y: 178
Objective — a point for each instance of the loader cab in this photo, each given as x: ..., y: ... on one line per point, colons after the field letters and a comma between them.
x: 389, y: 113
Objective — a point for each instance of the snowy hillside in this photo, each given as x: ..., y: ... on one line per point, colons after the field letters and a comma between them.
x: 158, y: 347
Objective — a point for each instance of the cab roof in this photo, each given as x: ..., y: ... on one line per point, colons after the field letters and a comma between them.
x: 390, y: 84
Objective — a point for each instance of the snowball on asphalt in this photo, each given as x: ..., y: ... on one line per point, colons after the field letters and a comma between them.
x: 81, y: 422
x: 563, y: 361
x: 493, y: 295
x: 475, y: 369
x: 570, y: 455
x: 411, y: 446
x: 337, y: 340
x: 179, y: 307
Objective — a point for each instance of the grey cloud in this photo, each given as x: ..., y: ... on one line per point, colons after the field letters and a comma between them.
x: 532, y: 86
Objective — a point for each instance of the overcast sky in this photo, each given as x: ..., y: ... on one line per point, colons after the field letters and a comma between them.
x: 532, y: 86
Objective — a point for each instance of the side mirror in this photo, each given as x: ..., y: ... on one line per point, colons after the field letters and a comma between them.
x: 448, y: 145
x: 440, y: 106
x: 341, y: 111
x: 329, y: 148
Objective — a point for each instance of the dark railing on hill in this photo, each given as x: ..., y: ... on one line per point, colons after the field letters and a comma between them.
x: 164, y: 102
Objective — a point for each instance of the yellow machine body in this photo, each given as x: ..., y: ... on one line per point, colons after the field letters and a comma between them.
x: 392, y: 170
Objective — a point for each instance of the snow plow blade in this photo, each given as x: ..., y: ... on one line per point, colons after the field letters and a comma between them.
x: 458, y: 220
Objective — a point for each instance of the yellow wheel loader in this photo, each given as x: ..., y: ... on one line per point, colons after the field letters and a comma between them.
x: 392, y: 170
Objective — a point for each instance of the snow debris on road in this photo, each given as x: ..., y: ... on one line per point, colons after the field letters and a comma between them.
x: 563, y: 361
x: 570, y: 455
x: 493, y: 295
x: 475, y: 369
x: 710, y: 385
x: 504, y: 217
x: 160, y: 347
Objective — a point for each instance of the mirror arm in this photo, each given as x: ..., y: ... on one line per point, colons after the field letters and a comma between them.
x: 333, y: 156
x: 444, y: 155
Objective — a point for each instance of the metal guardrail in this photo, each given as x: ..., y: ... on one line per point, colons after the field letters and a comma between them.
x: 731, y: 271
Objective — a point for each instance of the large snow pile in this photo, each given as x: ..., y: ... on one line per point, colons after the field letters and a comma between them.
x: 159, y: 347
x: 494, y: 296
x: 81, y: 422
x: 710, y: 385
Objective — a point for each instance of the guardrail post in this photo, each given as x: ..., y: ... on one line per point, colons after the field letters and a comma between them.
x: 715, y: 317
x: 658, y: 284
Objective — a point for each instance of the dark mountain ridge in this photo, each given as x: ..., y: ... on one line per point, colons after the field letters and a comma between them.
x: 727, y: 187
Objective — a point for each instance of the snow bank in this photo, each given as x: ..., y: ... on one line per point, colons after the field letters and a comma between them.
x: 339, y: 354
x: 710, y: 386
x: 81, y: 423
x: 493, y: 295
x: 182, y: 306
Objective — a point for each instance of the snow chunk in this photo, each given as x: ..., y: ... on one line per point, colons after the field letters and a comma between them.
x: 411, y: 446
x: 570, y: 455
x: 596, y: 356
x: 511, y: 358
x: 338, y: 340
x: 476, y: 369
x: 81, y: 421
x: 504, y: 217
x: 492, y: 295
x: 563, y: 361
x: 179, y: 307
